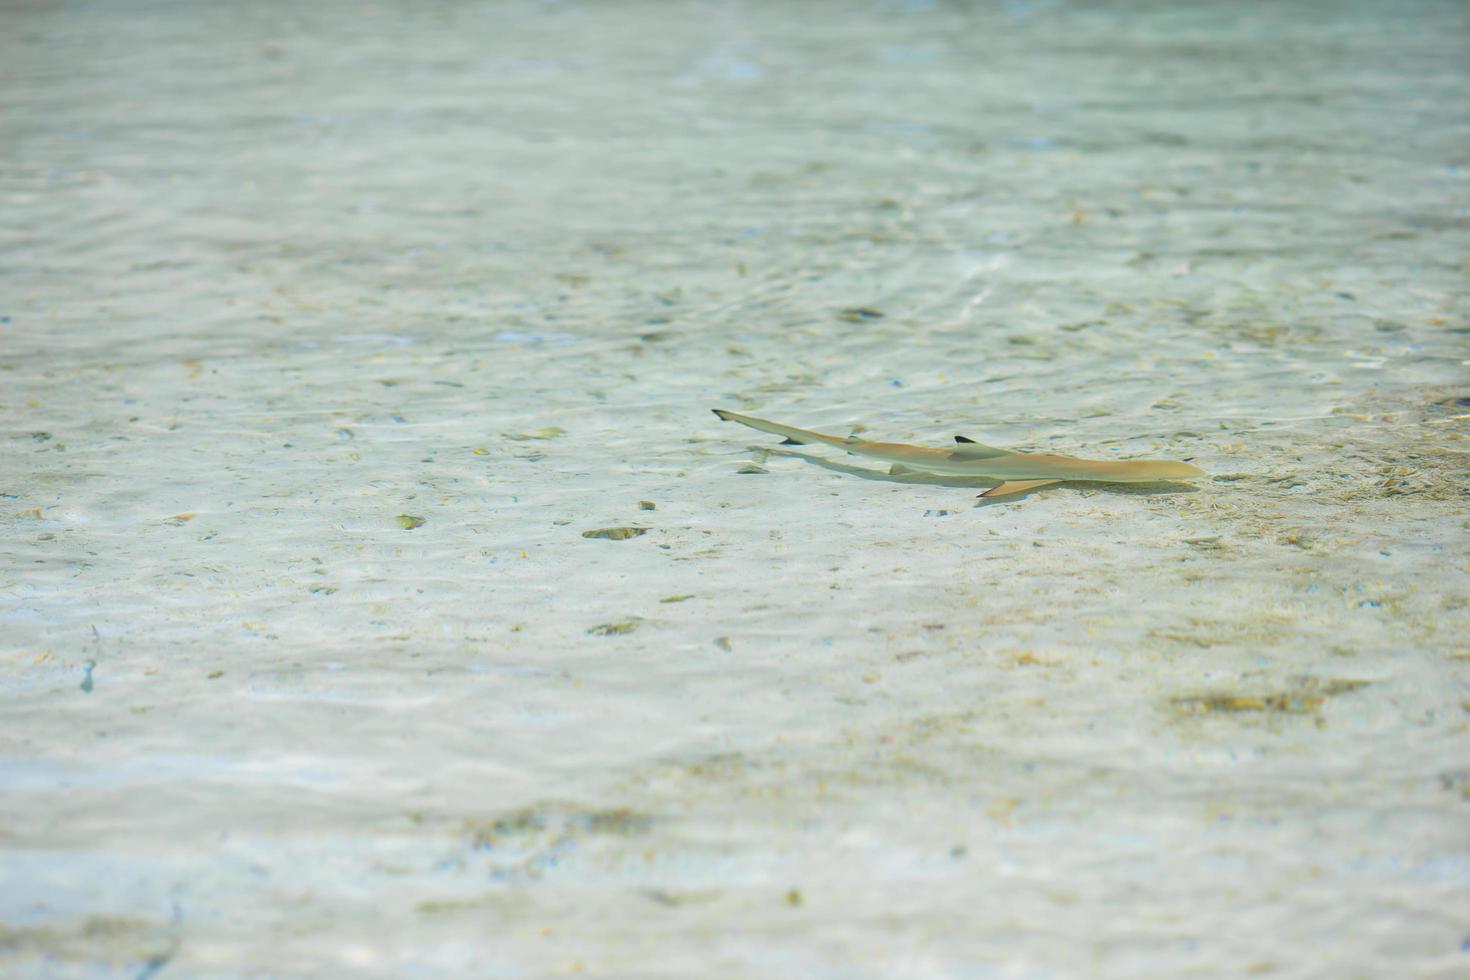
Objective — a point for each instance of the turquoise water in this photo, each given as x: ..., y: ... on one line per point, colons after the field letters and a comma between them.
x: 326, y: 333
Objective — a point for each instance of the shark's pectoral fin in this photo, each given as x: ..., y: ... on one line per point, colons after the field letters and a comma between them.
x: 1017, y: 486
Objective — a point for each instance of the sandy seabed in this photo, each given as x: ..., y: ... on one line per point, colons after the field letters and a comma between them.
x: 329, y: 331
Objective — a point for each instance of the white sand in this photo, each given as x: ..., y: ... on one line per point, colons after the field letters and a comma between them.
x: 297, y: 270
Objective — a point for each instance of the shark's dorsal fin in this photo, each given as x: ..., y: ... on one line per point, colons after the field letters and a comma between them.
x: 970, y: 449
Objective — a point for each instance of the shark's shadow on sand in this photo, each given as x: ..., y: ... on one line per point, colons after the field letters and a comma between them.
x: 977, y: 483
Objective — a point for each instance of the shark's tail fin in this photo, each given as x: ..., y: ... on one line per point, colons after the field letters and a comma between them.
x: 794, y: 436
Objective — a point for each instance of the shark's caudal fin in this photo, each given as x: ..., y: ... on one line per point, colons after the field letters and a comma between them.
x: 793, y: 435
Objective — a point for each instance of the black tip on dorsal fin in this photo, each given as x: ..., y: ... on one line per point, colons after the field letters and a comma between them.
x: 788, y: 441
x: 962, y: 439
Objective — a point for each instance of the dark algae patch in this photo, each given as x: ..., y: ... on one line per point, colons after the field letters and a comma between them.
x: 1300, y: 696
x: 535, y: 840
x: 557, y: 820
x: 616, y: 629
x: 615, y: 533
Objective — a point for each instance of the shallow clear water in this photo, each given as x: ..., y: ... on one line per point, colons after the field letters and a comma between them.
x: 326, y: 331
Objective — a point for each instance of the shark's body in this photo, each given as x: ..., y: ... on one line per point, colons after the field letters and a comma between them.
x: 1017, y: 472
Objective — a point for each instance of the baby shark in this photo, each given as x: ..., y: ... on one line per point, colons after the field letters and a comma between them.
x: 1017, y: 472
